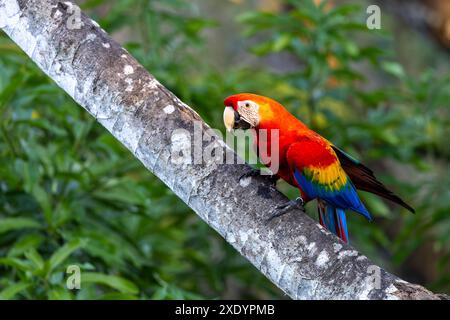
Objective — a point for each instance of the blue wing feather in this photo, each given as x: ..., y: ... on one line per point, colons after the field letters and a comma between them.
x: 345, y: 198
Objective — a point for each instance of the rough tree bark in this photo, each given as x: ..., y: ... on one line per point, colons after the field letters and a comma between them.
x: 293, y: 251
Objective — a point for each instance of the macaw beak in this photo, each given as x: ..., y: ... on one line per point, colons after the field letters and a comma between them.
x: 229, y: 116
x: 233, y: 120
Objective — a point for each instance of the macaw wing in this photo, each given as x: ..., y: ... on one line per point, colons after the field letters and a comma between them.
x: 318, y: 171
x: 364, y: 179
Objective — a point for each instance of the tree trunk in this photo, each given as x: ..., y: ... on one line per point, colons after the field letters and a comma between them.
x: 293, y: 251
x: 431, y: 17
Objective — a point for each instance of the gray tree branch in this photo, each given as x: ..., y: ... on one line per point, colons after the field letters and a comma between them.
x: 293, y: 251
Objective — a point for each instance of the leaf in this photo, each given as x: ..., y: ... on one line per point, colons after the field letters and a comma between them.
x: 43, y: 198
x: 16, y: 263
x: 59, y: 294
x: 195, y: 25
x: 115, y: 282
x: 344, y: 10
x: 11, y: 89
x: 10, y: 224
x: 262, y: 49
x: 281, y: 42
x: 64, y: 252
x: 36, y: 258
x: 394, y: 69
x: 25, y: 243
x: 351, y: 48
x: 12, y: 290
x: 125, y: 191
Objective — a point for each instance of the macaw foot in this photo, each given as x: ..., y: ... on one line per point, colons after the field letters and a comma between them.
x: 250, y: 173
x: 286, y: 207
x: 256, y: 172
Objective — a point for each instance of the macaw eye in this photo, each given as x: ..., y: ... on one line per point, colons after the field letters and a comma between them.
x: 247, y: 104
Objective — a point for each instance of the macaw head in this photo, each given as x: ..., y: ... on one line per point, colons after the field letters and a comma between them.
x: 248, y: 111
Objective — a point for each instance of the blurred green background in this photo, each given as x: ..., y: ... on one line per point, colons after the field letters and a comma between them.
x: 71, y: 194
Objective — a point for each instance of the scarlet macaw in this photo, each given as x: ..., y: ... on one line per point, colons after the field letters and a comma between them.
x: 308, y: 161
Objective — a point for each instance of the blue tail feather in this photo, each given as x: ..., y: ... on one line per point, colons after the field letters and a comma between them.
x: 334, y: 220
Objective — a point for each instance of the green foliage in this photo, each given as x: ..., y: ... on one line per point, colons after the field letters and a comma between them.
x: 71, y: 195
x: 403, y: 120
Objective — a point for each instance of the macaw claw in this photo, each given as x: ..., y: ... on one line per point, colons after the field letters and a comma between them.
x: 256, y: 172
x: 250, y: 173
x: 286, y: 207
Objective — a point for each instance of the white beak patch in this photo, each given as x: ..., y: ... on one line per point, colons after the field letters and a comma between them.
x: 228, y: 118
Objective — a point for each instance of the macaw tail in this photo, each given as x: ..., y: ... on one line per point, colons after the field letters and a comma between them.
x: 333, y: 219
